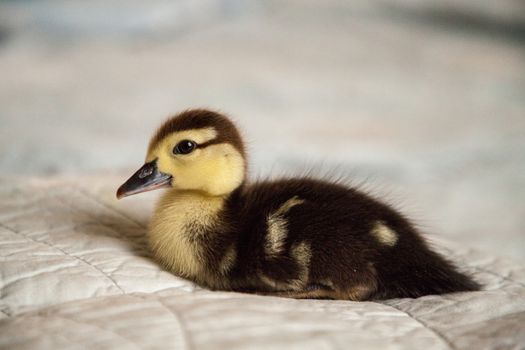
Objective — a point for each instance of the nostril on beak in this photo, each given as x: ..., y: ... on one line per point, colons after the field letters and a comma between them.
x: 146, y: 172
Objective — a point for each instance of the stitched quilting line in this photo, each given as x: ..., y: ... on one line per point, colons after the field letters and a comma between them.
x: 120, y: 336
x: 508, y: 279
x: 186, y: 336
x: 107, y: 206
x: 118, y: 233
x: 434, y: 331
x: 457, y: 256
x: 5, y: 312
x: 67, y: 254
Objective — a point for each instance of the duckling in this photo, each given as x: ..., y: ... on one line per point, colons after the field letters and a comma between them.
x: 296, y: 238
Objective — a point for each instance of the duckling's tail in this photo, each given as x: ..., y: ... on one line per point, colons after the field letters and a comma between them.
x: 414, y: 273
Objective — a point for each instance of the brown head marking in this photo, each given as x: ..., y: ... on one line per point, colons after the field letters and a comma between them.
x: 199, y: 119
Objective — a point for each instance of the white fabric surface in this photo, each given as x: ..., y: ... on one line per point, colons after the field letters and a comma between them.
x: 76, y: 274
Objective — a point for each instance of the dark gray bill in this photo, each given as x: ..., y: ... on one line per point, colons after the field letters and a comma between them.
x: 147, y: 178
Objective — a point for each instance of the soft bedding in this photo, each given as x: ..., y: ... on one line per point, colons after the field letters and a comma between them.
x: 76, y: 274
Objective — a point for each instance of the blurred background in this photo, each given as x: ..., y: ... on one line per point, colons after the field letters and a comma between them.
x: 424, y: 100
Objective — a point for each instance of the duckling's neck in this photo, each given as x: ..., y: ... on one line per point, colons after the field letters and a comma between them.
x: 179, y: 222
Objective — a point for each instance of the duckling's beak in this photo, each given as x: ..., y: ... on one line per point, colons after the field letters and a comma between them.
x: 147, y: 178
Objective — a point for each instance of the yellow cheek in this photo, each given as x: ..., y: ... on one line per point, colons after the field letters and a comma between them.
x: 218, y: 170
x: 168, y: 165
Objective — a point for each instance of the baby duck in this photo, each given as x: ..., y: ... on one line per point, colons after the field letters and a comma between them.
x: 297, y: 238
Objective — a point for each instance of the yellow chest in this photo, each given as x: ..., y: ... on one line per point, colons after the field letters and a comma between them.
x: 178, y: 221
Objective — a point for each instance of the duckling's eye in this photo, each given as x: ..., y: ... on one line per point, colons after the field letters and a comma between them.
x: 184, y: 147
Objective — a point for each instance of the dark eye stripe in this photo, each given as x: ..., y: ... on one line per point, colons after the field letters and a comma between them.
x: 215, y: 141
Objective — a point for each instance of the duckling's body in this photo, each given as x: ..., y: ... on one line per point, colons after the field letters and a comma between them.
x: 299, y: 238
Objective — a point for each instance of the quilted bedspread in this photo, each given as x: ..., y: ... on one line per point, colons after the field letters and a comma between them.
x: 76, y: 274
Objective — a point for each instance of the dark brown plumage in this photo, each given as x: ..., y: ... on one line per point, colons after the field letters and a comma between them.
x: 301, y: 238
x: 336, y: 221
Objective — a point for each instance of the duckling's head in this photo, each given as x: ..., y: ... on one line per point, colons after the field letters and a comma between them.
x: 196, y: 150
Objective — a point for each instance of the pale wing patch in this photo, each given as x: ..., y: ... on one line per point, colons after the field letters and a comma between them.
x: 277, y: 231
x: 268, y: 281
x: 289, y: 204
x: 228, y: 260
x: 327, y: 282
x: 302, y: 253
x: 384, y: 234
x: 278, y: 228
x: 357, y: 293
